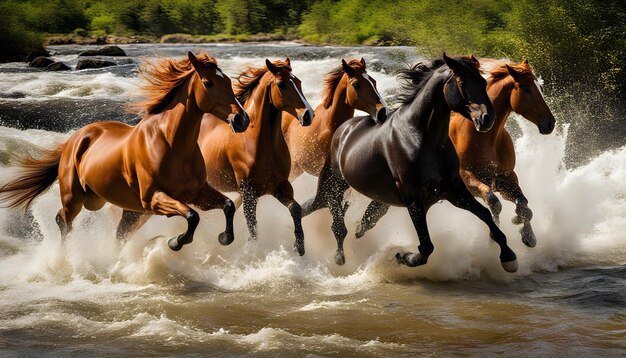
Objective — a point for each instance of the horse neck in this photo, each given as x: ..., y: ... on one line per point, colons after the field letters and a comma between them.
x: 428, y: 115
x: 181, y: 121
x: 265, y: 118
x: 500, y: 95
x: 339, y: 110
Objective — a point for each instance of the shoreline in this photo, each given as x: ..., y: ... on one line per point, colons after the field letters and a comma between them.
x: 74, y: 39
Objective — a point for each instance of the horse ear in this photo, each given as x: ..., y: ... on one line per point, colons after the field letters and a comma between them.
x: 363, y: 62
x: 474, y: 60
x: 288, y: 61
x: 525, y: 62
x: 453, y: 64
x: 346, y: 68
x: 194, y: 61
x: 513, y: 72
x: 270, y: 67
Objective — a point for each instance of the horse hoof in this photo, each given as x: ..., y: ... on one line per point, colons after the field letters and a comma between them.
x: 510, y: 266
x: 173, y: 244
x: 410, y: 259
x: 516, y: 220
x: 225, y: 239
x: 528, y: 237
x: 359, y: 231
x: 340, y: 259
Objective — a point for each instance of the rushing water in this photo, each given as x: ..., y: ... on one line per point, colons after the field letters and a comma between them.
x: 91, y: 296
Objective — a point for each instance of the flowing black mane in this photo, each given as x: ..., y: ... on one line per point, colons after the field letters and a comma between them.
x: 412, y: 80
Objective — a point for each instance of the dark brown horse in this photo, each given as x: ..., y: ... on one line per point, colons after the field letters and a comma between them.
x: 155, y: 167
x: 346, y: 88
x: 409, y: 160
x: 257, y: 162
x: 488, y: 158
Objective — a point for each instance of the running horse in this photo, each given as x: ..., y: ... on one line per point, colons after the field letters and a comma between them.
x: 154, y: 167
x: 488, y: 159
x: 346, y: 88
x: 409, y: 160
x: 257, y: 162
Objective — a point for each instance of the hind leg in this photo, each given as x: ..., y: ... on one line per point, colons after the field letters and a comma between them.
x: 508, y: 185
x: 284, y: 194
x: 460, y: 197
x: 131, y: 221
x: 417, y: 212
x: 72, y: 199
x: 482, y: 190
x: 249, y: 197
x: 209, y: 199
x: 374, y: 212
x: 324, y: 187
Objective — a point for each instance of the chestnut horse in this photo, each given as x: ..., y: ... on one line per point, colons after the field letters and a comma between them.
x: 488, y: 158
x: 346, y: 88
x: 409, y: 160
x: 257, y: 162
x: 154, y: 167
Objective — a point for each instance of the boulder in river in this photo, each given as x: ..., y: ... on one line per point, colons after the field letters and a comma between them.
x: 36, y: 53
x: 105, y: 51
x: 58, y: 66
x: 93, y: 63
x: 40, y: 62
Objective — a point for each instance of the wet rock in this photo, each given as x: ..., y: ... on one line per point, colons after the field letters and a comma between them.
x: 40, y: 62
x: 36, y: 53
x: 58, y: 66
x: 105, y: 51
x: 93, y: 63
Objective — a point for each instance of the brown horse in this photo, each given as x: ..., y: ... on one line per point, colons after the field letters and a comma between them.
x: 257, y: 162
x: 487, y: 159
x: 346, y: 88
x: 154, y: 167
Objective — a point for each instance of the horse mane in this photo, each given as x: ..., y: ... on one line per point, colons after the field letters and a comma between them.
x: 413, y: 79
x: 500, y: 72
x: 332, y: 78
x: 250, y: 77
x: 163, y: 78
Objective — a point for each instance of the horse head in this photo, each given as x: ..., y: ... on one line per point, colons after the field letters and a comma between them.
x: 466, y: 92
x: 527, y: 97
x: 361, y: 93
x: 286, y: 92
x: 214, y: 93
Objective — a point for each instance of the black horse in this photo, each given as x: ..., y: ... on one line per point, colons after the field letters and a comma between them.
x: 409, y: 160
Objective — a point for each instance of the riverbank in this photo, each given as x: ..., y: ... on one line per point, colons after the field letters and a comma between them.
x: 76, y: 39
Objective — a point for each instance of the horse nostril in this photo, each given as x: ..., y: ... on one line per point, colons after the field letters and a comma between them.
x: 307, y: 117
x: 381, y: 115
x: 239, y: 122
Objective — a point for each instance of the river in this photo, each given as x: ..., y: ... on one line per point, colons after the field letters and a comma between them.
x: 94, y: 297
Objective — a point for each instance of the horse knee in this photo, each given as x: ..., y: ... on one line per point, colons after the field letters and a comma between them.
x: 295, y: 210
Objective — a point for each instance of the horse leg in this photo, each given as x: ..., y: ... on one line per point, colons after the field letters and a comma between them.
x: 482, y: 190
x: 163, y: 204
x: 417, y: 211
x: 249, y: 197
x: 508, y: 185
x: 460, y: 197
x: 284, y: 194
x: 334, y: 188
x: 374, y: 212
x: 131, y: 221
x: 72, y: 199
x: 324, y: 185
x: 208, y: 199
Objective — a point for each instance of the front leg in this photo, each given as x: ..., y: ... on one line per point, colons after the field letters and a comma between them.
x: 249, y: 197
x: 460, y: 197
x: 163, y: 204
x: 324, y: 188
x: 508, y: 185
x: 208, y: 199
x: 482, y: 190
x: 284, y: 194
x: 374, y: 212
x: 417, y: 211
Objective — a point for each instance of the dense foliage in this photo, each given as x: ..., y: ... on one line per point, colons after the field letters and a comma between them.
x: 576, y: 42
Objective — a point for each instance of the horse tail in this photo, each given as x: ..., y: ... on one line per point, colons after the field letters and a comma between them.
x: 33, y: 179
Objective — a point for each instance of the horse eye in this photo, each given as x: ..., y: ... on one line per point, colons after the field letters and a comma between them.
x: 280, y: 84
x: 207, y: 83
x: 355, y: 85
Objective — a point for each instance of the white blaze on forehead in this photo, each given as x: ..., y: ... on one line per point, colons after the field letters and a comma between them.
x: 239, y: 103
x: 380, y: 98
x: 306, y: 103
x: 538, y: 84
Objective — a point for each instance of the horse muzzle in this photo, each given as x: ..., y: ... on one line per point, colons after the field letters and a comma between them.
x: 546, y: 127
x: 306, y: 117
x: 381, y: 115
x: 239, y: 121
x: 483, y: 122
